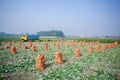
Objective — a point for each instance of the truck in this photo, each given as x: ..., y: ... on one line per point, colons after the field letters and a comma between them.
x: 29, y: 37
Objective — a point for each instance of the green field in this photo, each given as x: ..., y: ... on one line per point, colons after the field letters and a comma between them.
x: 103, y: 65
x: 102, y: 40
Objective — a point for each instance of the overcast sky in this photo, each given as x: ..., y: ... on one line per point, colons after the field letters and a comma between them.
x: 73, y: 17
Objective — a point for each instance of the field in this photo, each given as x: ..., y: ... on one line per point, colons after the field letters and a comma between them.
x: 97, y: 65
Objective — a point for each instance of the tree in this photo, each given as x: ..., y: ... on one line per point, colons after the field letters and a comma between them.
x: 57, y: 33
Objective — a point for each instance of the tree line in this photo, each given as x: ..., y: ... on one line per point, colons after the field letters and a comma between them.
x: 57, y: 33
x: 8, y: 35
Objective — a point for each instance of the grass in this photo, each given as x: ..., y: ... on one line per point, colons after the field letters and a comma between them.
x: 102, y: 40
x: 9, y: 39
x: 97, y: 65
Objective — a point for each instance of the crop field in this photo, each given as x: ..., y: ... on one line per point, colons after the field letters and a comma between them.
x: 101, y: 64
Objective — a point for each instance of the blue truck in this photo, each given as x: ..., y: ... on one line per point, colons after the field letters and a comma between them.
x: 29, y: 37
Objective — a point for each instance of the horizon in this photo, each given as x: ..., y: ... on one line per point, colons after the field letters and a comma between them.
x: 78, y: 17
x: 65, y: 35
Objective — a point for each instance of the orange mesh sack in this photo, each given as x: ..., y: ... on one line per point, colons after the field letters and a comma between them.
x: 46, y: 43
x: 67, y: 45
x: 73, y: 43
x: 58, y: 58
x: 80, y: 43
x: 9, y: 43
x: 45, y: 47
x: 83, y: 43
x: 25, y: 47
x: 110, y: 45
x: 33, y: 48
x: 77, y: 52
x: 19, y: 42
x: 62, y: 41
x: 5, y: 47
x: 58, y: 46
x: 30, y: 43
x: 97, y: 48
x: 13, y: 50
x: 116, y: 43
x: 40, y: 61
x: 104, y: 47
x: 53, y: 43
x: 90, y: 49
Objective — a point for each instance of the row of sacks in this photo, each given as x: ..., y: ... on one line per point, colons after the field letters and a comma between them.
x: 90, y: 49
x: 103, y: 47
x: 40, y: 59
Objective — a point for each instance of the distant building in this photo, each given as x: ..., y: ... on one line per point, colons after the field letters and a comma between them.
x: 83, y: 36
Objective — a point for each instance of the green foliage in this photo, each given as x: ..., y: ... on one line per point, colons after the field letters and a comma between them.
x: 102, y: 40
x: 103, y: 65
x: 57, y: 33
x: 9, y: 39
x: 8, y: 35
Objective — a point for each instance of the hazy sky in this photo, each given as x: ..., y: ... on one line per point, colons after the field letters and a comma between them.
x: 73, y: 17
